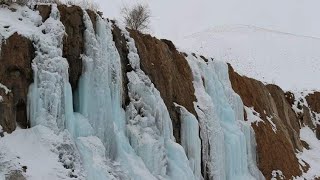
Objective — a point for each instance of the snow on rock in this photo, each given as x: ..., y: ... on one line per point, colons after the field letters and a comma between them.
x: 277, y: 174
x: 309, y: 156
x: 6, y: 90
x: 219, y: 110
x: 22, y: 20
x: 273, y: 125
x: 254, y: 117
x: 300, y: 102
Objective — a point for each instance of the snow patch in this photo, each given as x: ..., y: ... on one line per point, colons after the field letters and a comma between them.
x: 310, y: 156
x: 252, y: 115
x: 6, y: 90
x: 277, y: 174
x: 274, y: 127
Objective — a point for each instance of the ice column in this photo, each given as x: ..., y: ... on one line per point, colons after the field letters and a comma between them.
x: 223, y: 107
x: 190, y: 140
x: 46, y: 94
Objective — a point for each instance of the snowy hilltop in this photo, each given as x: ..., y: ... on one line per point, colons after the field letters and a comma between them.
x: 289, y: 60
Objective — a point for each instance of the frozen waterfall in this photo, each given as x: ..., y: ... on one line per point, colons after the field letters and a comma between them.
x: 136, y: 142
x: 228, y: 142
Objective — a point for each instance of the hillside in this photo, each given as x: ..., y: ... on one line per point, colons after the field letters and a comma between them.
x: 288, y: 60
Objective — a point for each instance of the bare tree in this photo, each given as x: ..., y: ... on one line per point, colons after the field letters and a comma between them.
x: 137, y: 17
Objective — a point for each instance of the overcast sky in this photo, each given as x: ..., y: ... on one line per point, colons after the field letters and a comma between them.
x: 174, y: 19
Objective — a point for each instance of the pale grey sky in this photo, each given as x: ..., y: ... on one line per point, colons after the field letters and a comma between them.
x: 174, y: 19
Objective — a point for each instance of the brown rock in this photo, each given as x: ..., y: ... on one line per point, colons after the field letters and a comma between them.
x: 44, y: 11
x: 289, y: 121
x: 290, y: 97
x: 276, y: 151
x: 17, y: 54
x: 313, y: 101
x: 73, y: 44
x: 306, y: 117
x: 170, y: 73
x: 121, y: 45
x: 93, y: 17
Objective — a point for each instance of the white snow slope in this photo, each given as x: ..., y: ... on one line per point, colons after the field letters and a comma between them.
x: 290, y: 61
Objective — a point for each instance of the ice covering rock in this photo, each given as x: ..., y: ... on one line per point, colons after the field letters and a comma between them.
x: 149, y: 124
x: 227, y: 143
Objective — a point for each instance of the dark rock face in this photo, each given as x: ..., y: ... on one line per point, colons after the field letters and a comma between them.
x: 274, y: 150
x: 44, y: 11
x: 16, y: 73
x: 93, y: 17
x: 121, y: 45
x: 170, y: 73
x: 313, y: 101
x: 73, y: 43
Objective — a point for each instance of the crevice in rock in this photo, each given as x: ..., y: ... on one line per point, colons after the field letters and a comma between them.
x: 121, y: 45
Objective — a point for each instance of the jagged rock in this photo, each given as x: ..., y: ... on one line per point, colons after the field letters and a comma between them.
x: 170, y: 73
x: 289, y: 120
x: 15, y: 72
x: 275, y: 150
x: 313, y: 101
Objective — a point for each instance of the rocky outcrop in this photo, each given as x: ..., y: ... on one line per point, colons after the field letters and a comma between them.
x: 73, y: 43
x: 311, y: 114
x: 290, y: 122
x: 17, y: 53
x: 275, y: 150
x: 170, y: 73
x: 313, y: 101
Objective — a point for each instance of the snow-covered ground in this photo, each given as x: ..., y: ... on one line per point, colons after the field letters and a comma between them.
x: 35, y: 153
x: 310, y: 156
x: 290, y: 61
